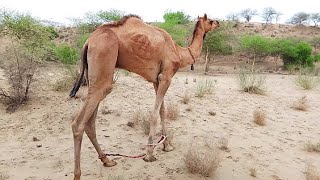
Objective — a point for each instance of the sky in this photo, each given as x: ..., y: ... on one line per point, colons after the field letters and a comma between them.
x: 151, y: 10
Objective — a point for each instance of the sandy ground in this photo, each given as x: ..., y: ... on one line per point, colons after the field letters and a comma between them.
x: 276, y: 150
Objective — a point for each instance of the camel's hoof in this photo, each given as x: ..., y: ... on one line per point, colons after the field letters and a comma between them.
x: 149, y: 159
x: 110, y: 164
x: 167, y: 148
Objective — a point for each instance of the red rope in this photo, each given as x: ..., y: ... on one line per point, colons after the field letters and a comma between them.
x: 162, y: 138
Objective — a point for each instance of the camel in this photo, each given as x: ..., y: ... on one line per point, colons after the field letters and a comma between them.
x: 140, y: 48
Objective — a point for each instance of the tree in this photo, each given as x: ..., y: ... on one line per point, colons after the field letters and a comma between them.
x: 277, y: 16
x: 178, y: 17
x: 315, y: 42
x: 177, y: 25
x: 268, y: 14
x: 92, y: 20
x: 296, y: 53
x: 256, y: 46
x: 28, y: 44
x: 233, y: 17
x: 247, y: 14
x: 217, y: 43
x: 315, y: 18
x: 299, y: 18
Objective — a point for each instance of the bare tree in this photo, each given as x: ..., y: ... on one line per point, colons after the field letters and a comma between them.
x: 277, y: 16
x: 247, y: 14
x: 315, y: 18
x: 233, y: 17
x: 268, y: 14
x: 299, y: 18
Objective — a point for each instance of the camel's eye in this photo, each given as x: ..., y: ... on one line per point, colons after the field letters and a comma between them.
x: 211, y: 22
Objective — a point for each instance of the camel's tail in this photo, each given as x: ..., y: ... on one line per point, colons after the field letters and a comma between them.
x: 84, y: 69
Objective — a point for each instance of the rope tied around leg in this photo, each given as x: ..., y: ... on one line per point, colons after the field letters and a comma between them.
x: 162, y: 139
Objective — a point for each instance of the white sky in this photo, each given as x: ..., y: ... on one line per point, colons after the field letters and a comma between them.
x: 152, y: 10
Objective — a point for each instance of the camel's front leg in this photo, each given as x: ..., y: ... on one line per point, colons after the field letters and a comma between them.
x: 164, y: 83
x: 166, y: 144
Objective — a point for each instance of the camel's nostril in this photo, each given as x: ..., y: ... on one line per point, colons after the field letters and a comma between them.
x: 217, y: 22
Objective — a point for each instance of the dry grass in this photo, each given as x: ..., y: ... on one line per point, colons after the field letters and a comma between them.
x: 105, y: 111
x: 141, y: 119
x: 253, y: 172
x: 204, y: 87
x: 223, y: 144
x: 202, y: 162
x: 186, y: 98
x: 172, y: 111
x: 312, y: 147
x: 66, y: 83
x: 115, y: 177
x: 259, y: 117
x: 301, y: 104
x: 307, y: 82
x: 252, y: 83
x: 312, y: 173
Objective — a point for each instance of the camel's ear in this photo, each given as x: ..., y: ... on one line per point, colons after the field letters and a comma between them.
x: 205, y: 16
x: 198, y: 18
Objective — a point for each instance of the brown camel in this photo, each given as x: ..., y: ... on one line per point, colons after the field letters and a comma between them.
x: 137, y: 47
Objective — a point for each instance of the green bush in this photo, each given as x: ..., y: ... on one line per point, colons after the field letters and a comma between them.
x: 81, y: 40
x: 178, y: 33
x: 178, y: 17
x: 92, y: 20
x: 66, y: 54
x: 296, y: 53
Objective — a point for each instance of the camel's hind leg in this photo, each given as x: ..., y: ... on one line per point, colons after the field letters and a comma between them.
x: 102, y: 60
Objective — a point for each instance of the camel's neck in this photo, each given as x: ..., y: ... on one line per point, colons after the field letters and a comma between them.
x: 195, y: 48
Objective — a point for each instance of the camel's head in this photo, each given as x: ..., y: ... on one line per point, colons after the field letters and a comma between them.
x: 208, y: 24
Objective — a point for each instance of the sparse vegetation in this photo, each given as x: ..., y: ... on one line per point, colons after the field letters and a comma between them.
x: 307, y: 81
x: 301, y: 104
x: 251, y: 82
x: 27, y: 47
x: 259, y: 117
x: 186, y: 98
x: 253, y: 172
x: 116, y: 177
x: 141, y: 119
x: 204, y: 87
x: 202, y: 162
x: 312, y: 173
x: 312, y: 147
x: 172, y: 111
x: 66, y: 54
x: 67, y: 81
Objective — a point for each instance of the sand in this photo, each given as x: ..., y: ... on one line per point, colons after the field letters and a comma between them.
x: 275, y: 150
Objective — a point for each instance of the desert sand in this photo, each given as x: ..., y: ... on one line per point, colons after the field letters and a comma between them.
x: 36, y: 141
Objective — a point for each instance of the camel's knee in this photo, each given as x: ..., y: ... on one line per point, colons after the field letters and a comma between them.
x: 77, y: 130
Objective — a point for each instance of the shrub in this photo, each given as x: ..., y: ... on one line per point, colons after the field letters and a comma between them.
x: 307, y: 81
x: 172, y: 111
x: 19, y: 72
x: 116, y: 177
x: 66, y: 54
x: 296, y: 53
x: 251, y: 82
x: 253, y: 172
x: 141, y: 119
x: 259, y: 117
x: 186, y: 98
x: 312, y: 147
x: 301, y: 104
x: 312, y: 173
x: 204, y: 163
x: 28, y: 46
x: 67, y: 81
x: 92, y: 20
